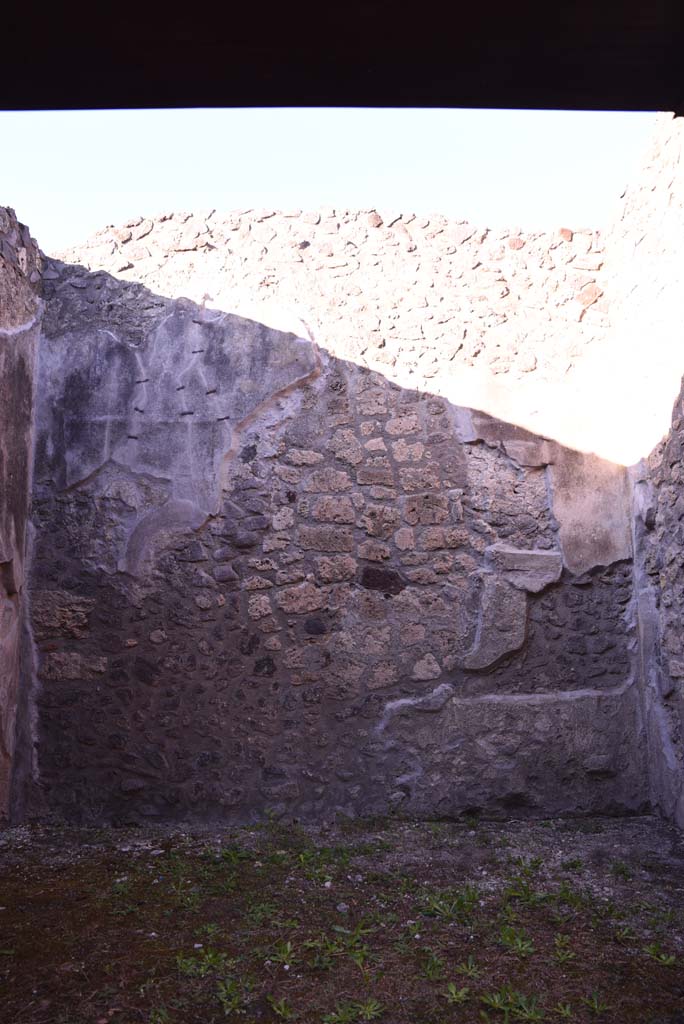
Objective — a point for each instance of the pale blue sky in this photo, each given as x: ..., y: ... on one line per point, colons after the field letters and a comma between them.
x: 68, y: 173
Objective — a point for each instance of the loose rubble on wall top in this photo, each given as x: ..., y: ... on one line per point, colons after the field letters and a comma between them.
x: 383, y: 288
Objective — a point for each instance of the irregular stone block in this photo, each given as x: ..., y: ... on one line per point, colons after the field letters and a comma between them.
x: 326, y: 538
x: 58, y: 613
x: 530, y: 570
x: 224, y: 554
x: 404, y: 539
x: 306, y: 597
x: 380, y: 520
x: 387, y: 580
x: 501, y: 626
x: 328, y: 480
x: 194, y: 552
x: 71, y: 665
x: 303, y: 457
x: 426, y: 509
x: 224, y: 573
x: 426, y: 668
x: 376, y: 471
x: 334, y: 509
x: 336, y: 569
x: 258, y: 606
x: 407, y: 424
x: 374, y: 551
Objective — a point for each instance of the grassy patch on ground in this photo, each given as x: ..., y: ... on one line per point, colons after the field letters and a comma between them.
x: 396, y: 922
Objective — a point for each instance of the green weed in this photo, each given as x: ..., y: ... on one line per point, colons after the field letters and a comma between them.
x: 281, y: 1008
x: 513, y: 1005
x: 563, y: 1010
x: 456, y: 996
x: 516, y: 941
x: 283, y: 953
x: 231, y: 994
x: 348, y: 1013
x: 595, y: 1004
x: 207, y: 962
x: 468, y: 968
x: 622, y: 870
x: 562, y: 953
x: 656, y: 953
x: 433, y: 965
x: 451, y: 905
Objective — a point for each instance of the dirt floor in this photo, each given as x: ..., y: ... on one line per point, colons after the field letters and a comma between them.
x: 403, y: 923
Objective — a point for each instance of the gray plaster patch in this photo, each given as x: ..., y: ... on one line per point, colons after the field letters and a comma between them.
x: 169, y: 405
x: 592, y: 504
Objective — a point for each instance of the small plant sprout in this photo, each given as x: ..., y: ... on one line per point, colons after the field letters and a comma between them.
x: 370, y: 1010
x: 207, y: 962
x: 283, y: 953
x: 521, y: 891
x: 324, y: 950
x: 231, y: 995
x: 160, y: 1015
x: 513, y: 1005
x: 352, y: 936
x: 281, y: 1008
x: 260, y: 912
x: 468, y: 968
x: 349, y: 1013
x: 456, y: 996
x: 528, y: 1009
x: 595, y: 1004
x: 625, y: 934
x: 562, y: 953
x: 233, y: 855
x: 454, y: 905
x: 656, y: 953
x: 500, y: 1000
x: 516, y: 941
x: 344, y: 1013
x: 360, y: 955
x: 571, y: 897
x: 527, y: 868
x: 622, y: 870
x: 563, y: 1010
x: 433, y: 965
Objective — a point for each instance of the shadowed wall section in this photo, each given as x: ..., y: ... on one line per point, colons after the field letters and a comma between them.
x: 268, y: 578
x: 20, y: 266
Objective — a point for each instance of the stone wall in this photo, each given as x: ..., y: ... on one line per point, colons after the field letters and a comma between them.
x: 20, y: 266
x: 659, y: 575
x: 651, y: 312
x: 331, y: 514
x: 491, y: 319
x: 281, y: 569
